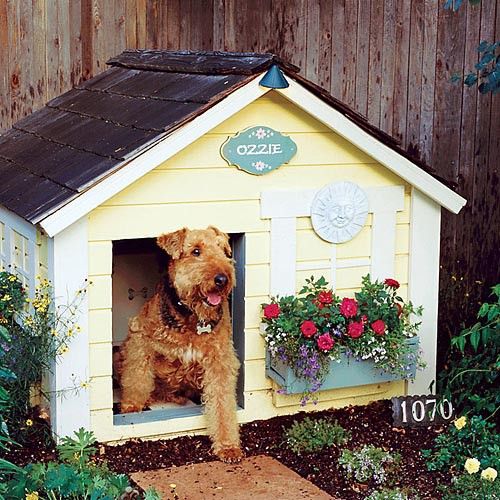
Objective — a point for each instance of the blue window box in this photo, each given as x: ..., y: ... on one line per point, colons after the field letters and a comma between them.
x: 346, y: 373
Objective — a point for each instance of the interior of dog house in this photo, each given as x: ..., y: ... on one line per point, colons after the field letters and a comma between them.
x: 167, y: 140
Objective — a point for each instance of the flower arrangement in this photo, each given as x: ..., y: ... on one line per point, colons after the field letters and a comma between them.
x: 309, y: 330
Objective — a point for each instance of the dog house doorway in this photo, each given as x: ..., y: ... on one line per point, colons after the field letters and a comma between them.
x: 138, y: 265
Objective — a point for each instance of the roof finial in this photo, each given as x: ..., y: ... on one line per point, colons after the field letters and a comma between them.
x: 274, y: 79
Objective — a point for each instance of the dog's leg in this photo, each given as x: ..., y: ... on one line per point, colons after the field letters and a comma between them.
x: 137, y: 379
x: 219, y: 397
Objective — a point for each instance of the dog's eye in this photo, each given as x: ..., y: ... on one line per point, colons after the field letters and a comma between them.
x: 196, y: 252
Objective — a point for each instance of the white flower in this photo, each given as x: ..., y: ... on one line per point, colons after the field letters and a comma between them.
x: 472, y: 465
x: 259, y: 165
x: 260, y: 133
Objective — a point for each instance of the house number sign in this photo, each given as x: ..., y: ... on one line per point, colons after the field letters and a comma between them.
x: 258, y: 150
x: 418, y: 411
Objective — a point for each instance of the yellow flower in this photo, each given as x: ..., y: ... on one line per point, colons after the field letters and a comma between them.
x: 472, y: 465
x: 460, y: 422
x: 62, y: 350
x: 12, y: 278
x: 84, y: 385
x: 32, y: 496
x: 53, y: 332
x: 490, y: 474
x: 29, y: 423
x: 6, y: 297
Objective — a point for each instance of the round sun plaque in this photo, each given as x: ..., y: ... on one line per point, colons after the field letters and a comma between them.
x: 339, y: 211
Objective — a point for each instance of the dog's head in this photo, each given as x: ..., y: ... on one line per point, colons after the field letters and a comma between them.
x: 200, y: 267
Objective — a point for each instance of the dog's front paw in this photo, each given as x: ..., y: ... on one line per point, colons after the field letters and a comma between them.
x: 230, y: 455
x: 129, y: 408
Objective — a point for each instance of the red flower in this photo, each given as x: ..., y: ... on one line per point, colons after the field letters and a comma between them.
x: 325, y: 342
x: 392, y: 283
x: 348, y: 307
x: 355, y: 329
x: 399, y: 308
x: 325, y: 297
x: 378, y: 327
x: 364, y: 319
x: 308, y: 328
x: 271, y: 311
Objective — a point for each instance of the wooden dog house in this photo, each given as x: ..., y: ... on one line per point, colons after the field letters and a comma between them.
x: 88, y: 181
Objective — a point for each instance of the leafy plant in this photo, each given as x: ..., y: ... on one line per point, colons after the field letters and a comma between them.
x: 38, y: 334
x: 370, y: 464
x: 75, y: 477
x: 471, y: 379
x: 476, y: 439
x: 392, y: 494
x: 471, y: 487
x: 308, y: 330
x: 314, y: 435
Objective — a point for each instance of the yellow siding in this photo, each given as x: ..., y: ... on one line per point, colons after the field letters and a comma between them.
x: 197, y: 188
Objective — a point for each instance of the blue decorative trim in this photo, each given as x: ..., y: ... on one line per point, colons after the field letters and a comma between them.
x: 274, y: 79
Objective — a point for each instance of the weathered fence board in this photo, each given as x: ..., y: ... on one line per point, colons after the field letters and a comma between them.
x: 390, y: 59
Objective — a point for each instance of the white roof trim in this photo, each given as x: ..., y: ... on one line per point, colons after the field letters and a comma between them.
x: 385, y: 155
x: 171, y: 144
x: 147, y: 160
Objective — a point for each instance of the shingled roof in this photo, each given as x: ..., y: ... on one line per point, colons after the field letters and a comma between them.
x: 55, y: 154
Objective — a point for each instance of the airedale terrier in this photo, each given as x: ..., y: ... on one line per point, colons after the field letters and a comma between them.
x: 182, y: 340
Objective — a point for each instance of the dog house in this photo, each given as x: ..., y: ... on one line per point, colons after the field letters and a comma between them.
x: 164, y: 140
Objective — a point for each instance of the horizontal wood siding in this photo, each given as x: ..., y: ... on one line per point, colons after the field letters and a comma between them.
x: 196, y: 188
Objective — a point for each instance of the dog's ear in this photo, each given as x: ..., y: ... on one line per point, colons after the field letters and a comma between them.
x: 222, y: 238
x: 172, y: 243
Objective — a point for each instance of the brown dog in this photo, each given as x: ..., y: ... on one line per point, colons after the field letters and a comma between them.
x: 182, y: 338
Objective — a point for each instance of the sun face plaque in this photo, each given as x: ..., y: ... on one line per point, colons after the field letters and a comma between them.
x: 339, y: 211
x: 258, y: 150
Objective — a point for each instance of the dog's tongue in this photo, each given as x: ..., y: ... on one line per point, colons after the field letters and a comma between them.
x: 214, y: 299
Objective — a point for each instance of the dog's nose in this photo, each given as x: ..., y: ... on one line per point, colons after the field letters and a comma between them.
x: 220, y: 280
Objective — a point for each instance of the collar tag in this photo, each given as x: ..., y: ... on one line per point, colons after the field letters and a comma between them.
x: 202, y: 328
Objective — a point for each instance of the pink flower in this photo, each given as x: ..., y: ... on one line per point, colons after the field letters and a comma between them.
x: 325, y: 297
x: 325, y: 342
x: 271, y: 311
x: 378, y: 327
x: 308, y: 328
x: 355, y: 329
x: 392, y: 283
x: 348, y: 307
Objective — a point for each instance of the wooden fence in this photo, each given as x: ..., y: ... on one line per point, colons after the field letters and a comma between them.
x: 392, y: 60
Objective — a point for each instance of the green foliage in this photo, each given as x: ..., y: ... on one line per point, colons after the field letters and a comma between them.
x: 38, y: 334
x: 370, y: 464
x: 75, y: 477
x: 470, y: 487
x: 471, y: 379
x: 314, y: 434
x: 392, y: 494
x: 477, y: 439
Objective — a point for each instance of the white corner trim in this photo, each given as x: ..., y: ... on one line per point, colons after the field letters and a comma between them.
x: 395, y: 162
x: 423, y: 281
x: 160, y: 151
x: 297, y: 203
x: 70, y: 405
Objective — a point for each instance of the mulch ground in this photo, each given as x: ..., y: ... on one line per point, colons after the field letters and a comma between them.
x: 371, y: 424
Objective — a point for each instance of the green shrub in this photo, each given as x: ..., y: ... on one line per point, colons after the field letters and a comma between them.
x: 76, y: 476
x: 392, y: 494
x: 38, y: 334
x: 471, y: 487
x: 476, y: 439
x: 314, y: 435
x: 472, y: 377
x: 370, y: 464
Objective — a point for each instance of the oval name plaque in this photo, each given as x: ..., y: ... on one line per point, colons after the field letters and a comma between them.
x: 258, y: 150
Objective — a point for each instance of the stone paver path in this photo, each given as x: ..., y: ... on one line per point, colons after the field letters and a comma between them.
x: 255, y: 478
